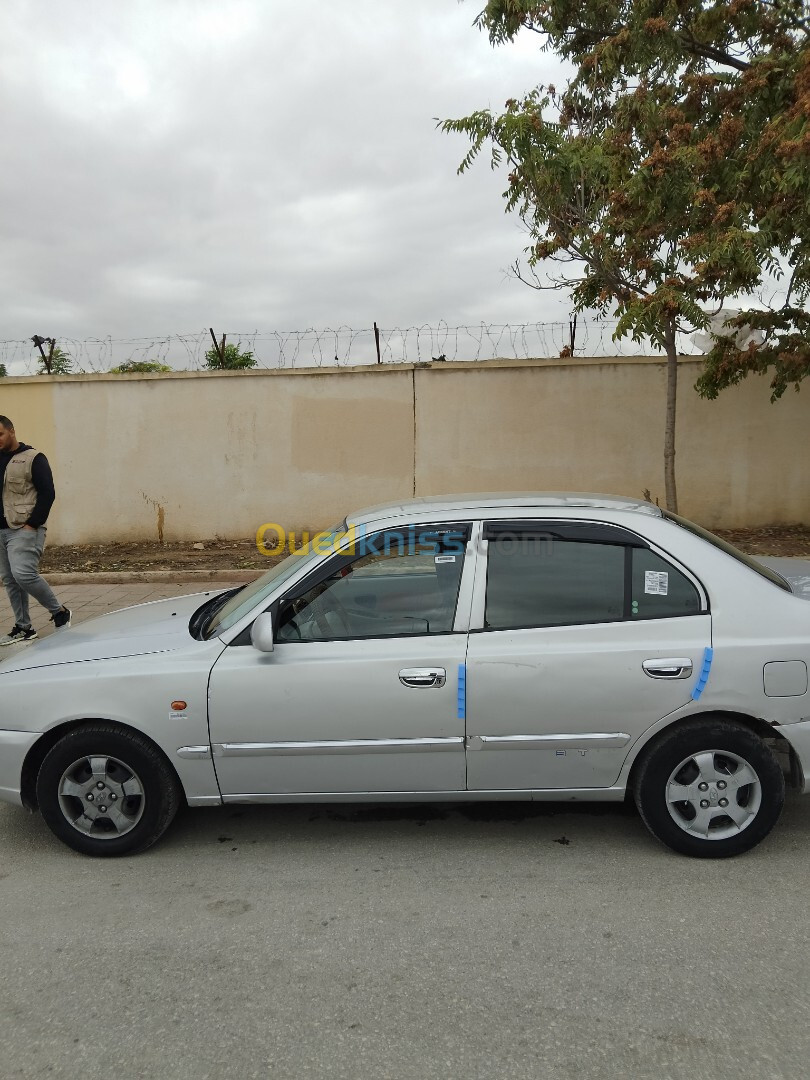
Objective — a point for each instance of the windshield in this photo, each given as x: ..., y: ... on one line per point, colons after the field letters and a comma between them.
x: 740, y: 556
x: 252, y: 595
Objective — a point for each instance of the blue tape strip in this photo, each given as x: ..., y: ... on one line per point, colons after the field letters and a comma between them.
x: 703, y: 678
x: 462, y: 691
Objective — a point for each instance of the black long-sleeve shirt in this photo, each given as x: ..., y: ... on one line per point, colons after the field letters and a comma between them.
x: 41, y: 478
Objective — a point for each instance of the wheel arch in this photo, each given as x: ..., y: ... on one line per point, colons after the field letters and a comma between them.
x: 755, y: 724
x: 38, y: 752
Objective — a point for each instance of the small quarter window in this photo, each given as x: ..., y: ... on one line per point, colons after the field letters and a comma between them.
x: 659, y: 590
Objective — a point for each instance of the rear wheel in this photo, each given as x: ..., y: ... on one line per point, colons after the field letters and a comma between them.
x: 104, y: 791
x: 710, y: 788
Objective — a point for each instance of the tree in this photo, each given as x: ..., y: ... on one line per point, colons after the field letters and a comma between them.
x: 579, y: 184
x: 58, y: 363
x: 3, y: 371
x: 663, y: 168
x: 744, y: 73
x: 233, y: 360
x: 140, y: 367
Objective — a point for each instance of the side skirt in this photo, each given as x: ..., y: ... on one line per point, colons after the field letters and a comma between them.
x: 611, y: 794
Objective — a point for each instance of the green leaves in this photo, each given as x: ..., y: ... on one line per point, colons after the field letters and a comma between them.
x: 671, y: 173
x: 60, y: 363
x: 140, y: 367
x: 234, y: 359
x: 785, y: 354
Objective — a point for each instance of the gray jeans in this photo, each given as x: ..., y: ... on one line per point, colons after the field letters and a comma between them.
x: 20, y: 552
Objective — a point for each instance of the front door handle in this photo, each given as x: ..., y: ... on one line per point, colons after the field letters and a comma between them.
x: 678, y: 667
x: 423, y: 677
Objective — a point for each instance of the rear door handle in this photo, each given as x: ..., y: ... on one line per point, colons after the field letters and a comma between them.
x: 678, y: 667
x: 423, y: 677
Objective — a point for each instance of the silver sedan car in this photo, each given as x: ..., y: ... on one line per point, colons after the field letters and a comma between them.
x: 534, y: 647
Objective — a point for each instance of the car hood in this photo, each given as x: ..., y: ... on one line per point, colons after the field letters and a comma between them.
x: 796, y: 573
x: 160, y: 626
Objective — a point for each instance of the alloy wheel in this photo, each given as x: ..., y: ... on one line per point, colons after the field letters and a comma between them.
x: 713, y: 795
x: 101, y: 797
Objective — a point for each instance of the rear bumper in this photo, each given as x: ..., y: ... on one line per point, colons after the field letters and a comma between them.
x: 798, y: 735
x: 14, y: 746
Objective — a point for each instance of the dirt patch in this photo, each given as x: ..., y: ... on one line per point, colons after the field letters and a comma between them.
x: 773, y: 540
x: 243, y: 554
x: 149, y: 555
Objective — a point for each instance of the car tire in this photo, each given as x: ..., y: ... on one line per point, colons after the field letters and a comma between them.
x: 732, y: 788
x: 107, y: 792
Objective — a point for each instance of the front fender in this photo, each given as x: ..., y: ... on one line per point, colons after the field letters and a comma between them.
x: 136, y: 692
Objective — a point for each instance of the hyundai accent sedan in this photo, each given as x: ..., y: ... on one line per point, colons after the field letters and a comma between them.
x: 513, y: 647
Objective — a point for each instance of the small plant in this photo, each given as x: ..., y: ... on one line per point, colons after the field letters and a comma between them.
x: 231, y: 359
x: 140, y: 367
x: 58, y: 363
x: 3, y: 371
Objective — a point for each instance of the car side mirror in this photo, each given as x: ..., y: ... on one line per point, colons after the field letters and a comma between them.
x: 261, y: 633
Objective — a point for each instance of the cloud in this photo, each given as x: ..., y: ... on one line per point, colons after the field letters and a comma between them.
x: 173, y: 164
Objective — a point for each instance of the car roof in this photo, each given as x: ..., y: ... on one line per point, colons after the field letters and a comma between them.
x: 481, y: 503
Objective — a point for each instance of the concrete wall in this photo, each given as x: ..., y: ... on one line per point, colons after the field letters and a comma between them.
x: 195, y: 455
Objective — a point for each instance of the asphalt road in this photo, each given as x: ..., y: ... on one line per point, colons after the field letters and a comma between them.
x: 484, y: 942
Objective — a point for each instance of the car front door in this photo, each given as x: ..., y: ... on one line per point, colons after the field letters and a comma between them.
x: 360, y: 693
x: 582, y: 637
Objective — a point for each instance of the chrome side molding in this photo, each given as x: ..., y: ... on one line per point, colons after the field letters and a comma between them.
x: 591, y: 740
x: 343, y: 746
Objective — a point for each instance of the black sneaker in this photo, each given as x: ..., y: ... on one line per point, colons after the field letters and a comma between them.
x: 17, y: 634
x: 61, y: 620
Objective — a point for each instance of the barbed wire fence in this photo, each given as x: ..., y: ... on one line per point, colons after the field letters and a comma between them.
x: 344, y: 346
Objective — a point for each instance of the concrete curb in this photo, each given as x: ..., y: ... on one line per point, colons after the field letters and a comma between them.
x: 157, y: 577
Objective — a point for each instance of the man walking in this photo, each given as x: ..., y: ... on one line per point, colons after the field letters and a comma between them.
x: 28, y: 494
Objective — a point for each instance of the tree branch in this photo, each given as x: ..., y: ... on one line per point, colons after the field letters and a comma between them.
x: 687, y: 39
x: 709, y: 52
x: 797, y: 23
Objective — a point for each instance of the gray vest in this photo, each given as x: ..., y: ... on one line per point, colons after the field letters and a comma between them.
x: 19, y: 493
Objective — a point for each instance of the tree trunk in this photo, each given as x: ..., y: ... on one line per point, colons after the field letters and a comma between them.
x: 671, y: 493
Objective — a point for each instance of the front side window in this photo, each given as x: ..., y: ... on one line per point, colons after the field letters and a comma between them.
x: 574, y: 574
x: 400, y: 582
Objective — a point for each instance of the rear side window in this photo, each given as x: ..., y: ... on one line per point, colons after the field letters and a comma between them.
x: 535, y: 582
x: 579, y: 574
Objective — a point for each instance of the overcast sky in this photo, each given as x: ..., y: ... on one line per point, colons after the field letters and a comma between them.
x: 170, y: 165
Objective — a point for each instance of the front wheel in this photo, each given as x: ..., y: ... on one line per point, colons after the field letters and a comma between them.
x: 104, y: 791
x: 710, y: 788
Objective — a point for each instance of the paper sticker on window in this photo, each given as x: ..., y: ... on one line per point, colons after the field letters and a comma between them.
x: 656, y: 583
x: 444, y: 558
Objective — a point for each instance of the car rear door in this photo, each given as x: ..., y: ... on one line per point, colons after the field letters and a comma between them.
x: 582, y: 636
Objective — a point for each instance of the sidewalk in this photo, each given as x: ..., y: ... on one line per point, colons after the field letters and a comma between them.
x: 89, y: 600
